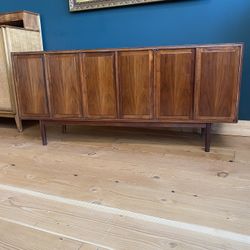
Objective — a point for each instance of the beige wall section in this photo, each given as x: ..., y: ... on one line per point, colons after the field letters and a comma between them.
x: 5, y: 101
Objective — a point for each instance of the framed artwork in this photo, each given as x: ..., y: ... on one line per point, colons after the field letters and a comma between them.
x: 79, y: 5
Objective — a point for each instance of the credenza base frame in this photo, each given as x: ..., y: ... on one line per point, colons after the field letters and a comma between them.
x: 205, y: 127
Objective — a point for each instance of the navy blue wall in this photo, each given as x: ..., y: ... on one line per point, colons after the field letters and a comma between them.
x: 167, y: 23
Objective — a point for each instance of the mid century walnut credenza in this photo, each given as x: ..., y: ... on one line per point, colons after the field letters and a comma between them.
x: 187, y: 86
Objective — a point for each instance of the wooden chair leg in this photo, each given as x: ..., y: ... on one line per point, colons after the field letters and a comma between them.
x: 64, y: 129
x: 207, y: 137
x: 43, y: 133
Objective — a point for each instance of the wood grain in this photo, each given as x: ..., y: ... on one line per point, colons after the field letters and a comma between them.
x: 150, y: 172
x: 135, y: 80
x: 174, y: 73
x: 217, y: 83
x: 184, y: 184
x: 23, y: 19
x: 32, y: 96
x: 99, y: 85
x: 111, y: 232
x: 28, y: 238
x: 144, y: 86
x: 64, y: 85
x: 193, y: 46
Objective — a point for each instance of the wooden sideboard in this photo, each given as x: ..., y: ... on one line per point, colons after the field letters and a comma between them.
x: 186, y: 86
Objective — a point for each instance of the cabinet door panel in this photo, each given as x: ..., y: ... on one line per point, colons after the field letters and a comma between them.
x: 174, y: 84
x: 135, y: 82
x: 64, y: 85
x: 217, y: 83
x: 31, y: 86
x: 99, y: 86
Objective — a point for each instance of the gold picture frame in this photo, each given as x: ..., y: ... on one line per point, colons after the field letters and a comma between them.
x: 80, y: 5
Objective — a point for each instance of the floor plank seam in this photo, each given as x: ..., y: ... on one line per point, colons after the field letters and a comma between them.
x: 54, y: 233
x: 219, y: 233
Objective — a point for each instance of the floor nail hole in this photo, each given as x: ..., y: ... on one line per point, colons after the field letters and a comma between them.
x: 173, y: 244
x: 92, y: 153
x: 156, y: 177
x: 222, y: 174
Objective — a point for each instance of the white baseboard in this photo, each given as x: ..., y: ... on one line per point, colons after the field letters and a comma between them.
x: 242, y: 128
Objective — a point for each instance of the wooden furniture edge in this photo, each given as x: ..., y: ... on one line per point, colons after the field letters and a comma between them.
x: 21, y: 16
x: 20, y: 11
x: 19, y: 28
x: 96, y: 50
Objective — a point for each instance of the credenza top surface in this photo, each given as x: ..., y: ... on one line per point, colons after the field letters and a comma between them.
x: 133, y: 49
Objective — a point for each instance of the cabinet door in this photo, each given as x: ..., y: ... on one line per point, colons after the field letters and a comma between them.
x: 217, y: 83
x: 99, y: 86
x: 64, y: 85
x: 174, y: 74
x: 135, y: 82
x: 30, y: 86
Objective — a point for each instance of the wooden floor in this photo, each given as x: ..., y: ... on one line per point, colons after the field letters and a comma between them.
x: 120, y: 188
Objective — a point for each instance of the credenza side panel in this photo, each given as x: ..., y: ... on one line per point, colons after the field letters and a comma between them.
x: 31, y: 86
x: 64, y: 85
x: 135, y: 77
x: 174, y: 81
x: 99, y: 85
x: 217, y: 83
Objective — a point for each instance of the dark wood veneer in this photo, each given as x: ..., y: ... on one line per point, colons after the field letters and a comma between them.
x: 99, y: 85
x: 31, y: 97
x: 135, y: 81
x: 144, y: 87
x: 64, y: 85
x: 174, y: 84
x: 217, y: 83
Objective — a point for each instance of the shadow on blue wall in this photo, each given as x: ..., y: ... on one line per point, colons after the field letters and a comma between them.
x: 163, y: 23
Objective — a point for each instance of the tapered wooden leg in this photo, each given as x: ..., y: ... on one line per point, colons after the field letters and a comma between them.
x: 64, y: 129
x: 207, y: 137
x: 19, y: 124
x: 202, y: 132
x: 43, y: 132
